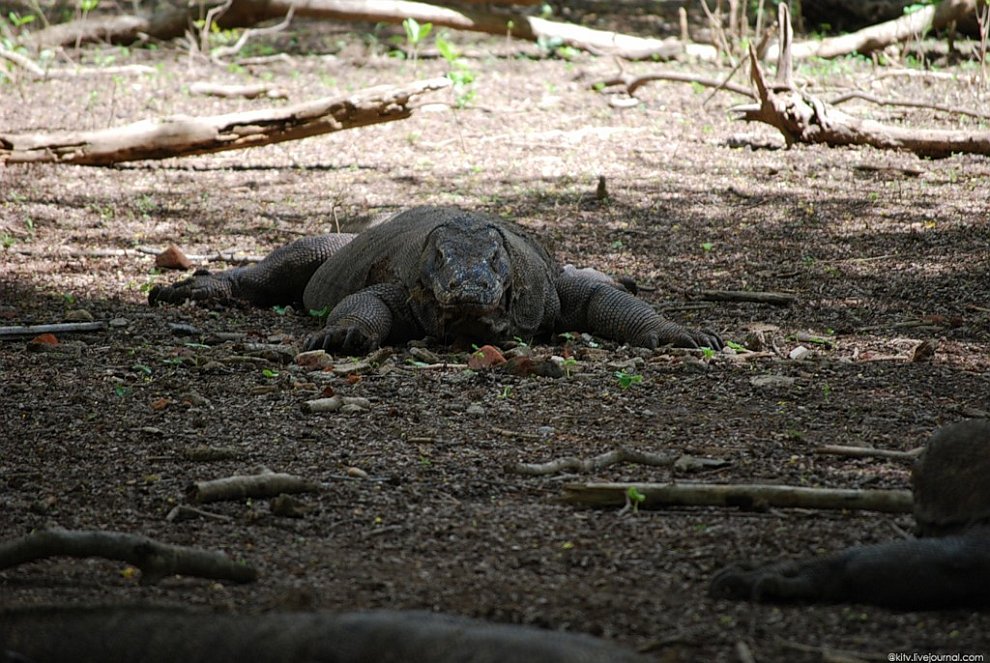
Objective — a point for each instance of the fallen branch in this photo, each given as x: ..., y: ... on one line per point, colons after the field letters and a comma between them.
x: 905, y: 103
x: 868, y: 452
x: 247, y: 91
x: 183, y: 136
x: 266, y: 484
x: 41, y: 73
x: 574, y: 464
x: 877, y: 37
x: 755, y: 496
x: 56, y: 328
x: 775, y: 298
x: 154, y: 559
x: 802, y: 118
x: 170, y: 22
x: 65, y: 252
x: 632, y: 83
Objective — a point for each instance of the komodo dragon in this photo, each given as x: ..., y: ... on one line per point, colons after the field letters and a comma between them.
x: 149, y: 634
x: 440, y: 272
x: 948, y: 567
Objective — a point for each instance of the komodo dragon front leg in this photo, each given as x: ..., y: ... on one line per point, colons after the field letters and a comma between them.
x: 363, y: 321
x: 279, y: 278
x: 605, y: 309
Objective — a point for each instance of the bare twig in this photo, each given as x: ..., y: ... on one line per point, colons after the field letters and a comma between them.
x: 855, y: 94
x: 218, y: 54
x: 57, y: 328
x: 155, y: 560
x: 249, y: 91
x: 632, y: 83
x: 266, y: 484
x: 775, y: 298
x: 868, y: 452
x: 574, y: 464
x: 755, y: 496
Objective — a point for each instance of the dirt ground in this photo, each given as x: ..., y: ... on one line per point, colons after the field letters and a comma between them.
x: 882, y: 250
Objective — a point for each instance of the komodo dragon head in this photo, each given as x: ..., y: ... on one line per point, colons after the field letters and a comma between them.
x: 465, y: 270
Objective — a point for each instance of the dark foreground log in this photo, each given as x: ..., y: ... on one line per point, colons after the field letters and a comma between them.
x: 165, y: 635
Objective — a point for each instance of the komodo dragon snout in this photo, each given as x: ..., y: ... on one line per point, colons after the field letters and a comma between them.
x: 467, y: 269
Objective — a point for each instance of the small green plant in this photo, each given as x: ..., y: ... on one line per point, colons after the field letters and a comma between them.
x: 7, y: 240
x: 415, y: 34
x: 280, y: 310
x: 269, y: 373
x: 634, y: 498
x: 120, y: 391
x: 627, y: 380
x: 142, y: 368
x: 460, y: 73
x: 707, y: 352
x: 320, y: 313
x: 569, y: 365
x: 738, y: 347
x: 19, y: 21
x: 69, y: 298
x: 567, y: 336
x: 707, y: 247
x: 506, y: 392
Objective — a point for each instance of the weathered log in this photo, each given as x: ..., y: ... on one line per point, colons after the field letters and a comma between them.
x: 877, y: 37
x: 184, y: 136
x: 154, y: 559
x: 746, y: 496
x: 169, y: 23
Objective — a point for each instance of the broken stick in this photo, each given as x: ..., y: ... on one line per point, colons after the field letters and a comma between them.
x: 754, y: 496
x: 868, y: 452
x: 55, y: 328
x: 184, y: 136
x: 154, y: 559
x: 574, y: 464
x: 266, y: 484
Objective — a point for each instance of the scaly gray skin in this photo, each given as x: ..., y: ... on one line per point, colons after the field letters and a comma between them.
x: 164, y: 635
x: 949, y: 568
x: 439, y: 272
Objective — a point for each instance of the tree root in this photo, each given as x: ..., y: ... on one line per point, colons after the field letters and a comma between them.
x: 155, y: 560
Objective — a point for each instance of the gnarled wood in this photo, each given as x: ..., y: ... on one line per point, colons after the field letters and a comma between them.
x: 183, y: 136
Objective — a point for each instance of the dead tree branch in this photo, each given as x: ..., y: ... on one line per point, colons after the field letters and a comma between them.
x: 266, y: 484
x: 775, y: 298
x: 868, y: 452
x: 56, y: 328
x: 802, y: 118
x: 877, y: 37
x: 170, y: 22
x: 633, y: 83
x: 906, y: 103
x: 755, y: 496
x: 154, y: 559
x: 183, y: 136
x: 574, y: 464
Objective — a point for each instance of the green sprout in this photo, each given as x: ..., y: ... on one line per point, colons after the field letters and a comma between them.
x: 634, y: 498
x: 627, y: 380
